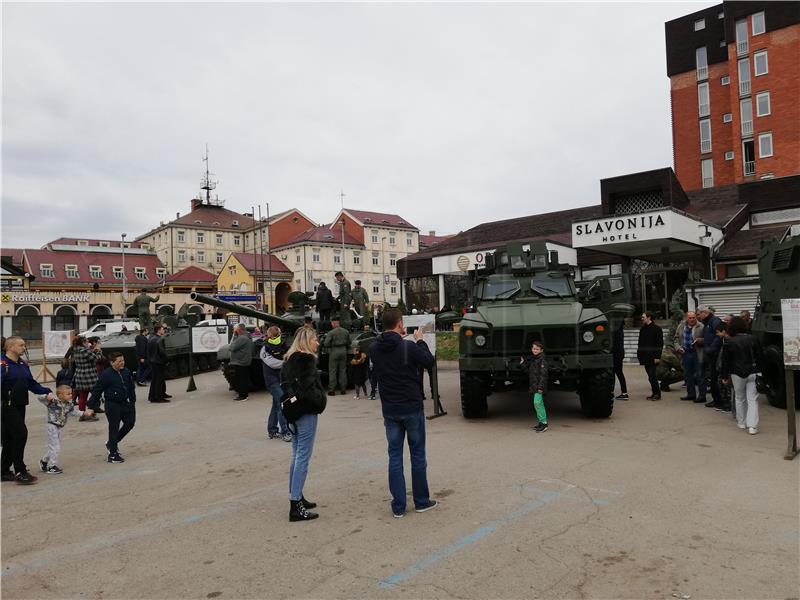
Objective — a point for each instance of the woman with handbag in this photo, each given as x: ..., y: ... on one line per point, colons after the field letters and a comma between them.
x: 300, y: 378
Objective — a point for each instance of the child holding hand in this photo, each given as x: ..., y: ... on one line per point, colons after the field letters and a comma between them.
x: 536, y: 365
x: 58, y: 410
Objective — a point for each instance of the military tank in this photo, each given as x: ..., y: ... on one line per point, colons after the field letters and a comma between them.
x: 177, y: 341
x: 289, y: 322
x: 523, y: 294
x: 779, y: 277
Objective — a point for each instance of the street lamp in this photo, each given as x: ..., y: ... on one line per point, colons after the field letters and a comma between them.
x: 383, y: 269
x: 124, y: 280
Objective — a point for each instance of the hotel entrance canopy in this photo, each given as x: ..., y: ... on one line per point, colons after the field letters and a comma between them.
x: 647, y: 233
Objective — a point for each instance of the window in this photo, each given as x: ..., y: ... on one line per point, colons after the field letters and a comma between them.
x: 144, y: 246
x: 125, y: 244
x: 356, y: 258
x: 393, y: 288
x: 376, y: 287
x: 760, y: 65
x: 161, y: 272
x: 392, y: 260
x: 232, y: 270
x: 758, y: 23
x: 746, y: 113
x: 741, y: 270
x: 392, y: 240
x: 297, y: 258
x: 699, y: 24
x: 374, y: 236
x: 722, y: 43
x: 108, y: 244
x: 315, y: 255
x: 765, y: 144
x: 705, y: 136
x: 237, y: 240
x: 181, y: 255
x: 721, y: 15
x: 201, y: 237
x: 46, y: 271
x: 725, y: 80
x: 181, y: 237
x: 71, y: 271
x: 116, y: 272
x: 410, y: 240
x: 783, y: 215
x: 95, y: 272
x: 744, y: 77
x: 83, y: 242
x: 219, y: 239
x: 140, y: 273
x: 220, y: 258
x: 762, y: 104
x: 749, y: 157
x: 704, y: 106
x: 727, y: 118
x: 337, y: 257
x: 201, y: 257
x: 707, y: 169
x: 742, y: 47
x: 729, y: 155
x: 375, y: 258
x: 701, y: 58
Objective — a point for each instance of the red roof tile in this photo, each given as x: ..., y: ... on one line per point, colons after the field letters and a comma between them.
x: 323, y: 235
x: 60, y: 258
x: 191, y: 275
x: 215, y: 216
x: 261, y: 262
x: 15, y: 254
x: 426, y: 241
x: 746, y: 243
x: 383, y: 219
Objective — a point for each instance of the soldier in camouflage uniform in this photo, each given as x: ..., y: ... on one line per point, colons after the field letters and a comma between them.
x: 337, y: 340
x: 142, y: 304
x: 345, y: 299
x: 669, y: 369
x: 360, y: 299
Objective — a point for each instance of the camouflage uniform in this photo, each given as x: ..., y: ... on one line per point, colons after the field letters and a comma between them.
x: 337, y: 340
x: 669, y: 369
x: 361, y: 299
x: 142, y: 304
x: 345, y: 300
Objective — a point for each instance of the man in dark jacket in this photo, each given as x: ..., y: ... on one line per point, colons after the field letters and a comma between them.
x: 116, y: 386
x: 651, y: 344
x: 157, y: 355
x: 324, y: 302
x: 618, y: 354
x: 142, y: 364
x: 241, y: 348
x: 711, y: 344
x: 397, y: 363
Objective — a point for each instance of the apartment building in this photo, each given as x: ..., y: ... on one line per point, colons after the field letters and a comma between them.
x: 734, y: 87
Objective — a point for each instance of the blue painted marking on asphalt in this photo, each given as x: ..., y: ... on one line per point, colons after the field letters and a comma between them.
x: 467, y: 540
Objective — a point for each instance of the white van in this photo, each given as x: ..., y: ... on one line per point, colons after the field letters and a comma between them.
x: 102, y: 329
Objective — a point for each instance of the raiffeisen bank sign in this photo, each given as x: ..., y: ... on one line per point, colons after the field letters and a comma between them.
x: 643, y: 232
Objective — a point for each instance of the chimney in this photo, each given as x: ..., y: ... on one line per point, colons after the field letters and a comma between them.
x: 432, y: 232
x: 196, y: 202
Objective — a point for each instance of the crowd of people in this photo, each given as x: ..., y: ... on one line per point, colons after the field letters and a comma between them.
x: 718, y: 356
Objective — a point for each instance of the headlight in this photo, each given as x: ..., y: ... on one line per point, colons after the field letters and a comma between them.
x: 588, y: 336
x: 480, y: 340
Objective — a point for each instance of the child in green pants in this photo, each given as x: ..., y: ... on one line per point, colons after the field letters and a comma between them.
x: 536, y: 365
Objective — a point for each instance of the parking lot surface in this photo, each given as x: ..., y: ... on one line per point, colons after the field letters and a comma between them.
x: 665, y: 498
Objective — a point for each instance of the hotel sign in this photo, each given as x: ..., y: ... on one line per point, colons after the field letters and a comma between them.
x: 63, y: 297
x: 644, y: 227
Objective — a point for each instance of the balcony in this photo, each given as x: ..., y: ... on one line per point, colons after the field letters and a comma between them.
x: 742, y: 48
x: 744, y: 88
x: 702, y: 73
x: 749, y: 167
x: 705, y: 146
x: 705, y: 110
x: 747, y: 128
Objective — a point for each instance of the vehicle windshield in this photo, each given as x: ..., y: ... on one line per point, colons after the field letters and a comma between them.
x: 551, y: 287
x: 496, y: 287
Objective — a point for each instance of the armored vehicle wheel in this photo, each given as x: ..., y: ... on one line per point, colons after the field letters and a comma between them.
x: 596, y: 391
x: 474, y: 389
x: 171, y: 370
x: 775, y: 378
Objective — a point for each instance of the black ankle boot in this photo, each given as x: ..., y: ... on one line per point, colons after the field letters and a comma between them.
x: 307, y: 503
x: 298, y: 512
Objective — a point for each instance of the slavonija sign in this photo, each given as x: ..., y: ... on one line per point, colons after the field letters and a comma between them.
x: 620, y: 229
x: 48, y: 297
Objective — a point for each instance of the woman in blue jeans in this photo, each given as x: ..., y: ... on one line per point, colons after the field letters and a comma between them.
x: 301, y: 378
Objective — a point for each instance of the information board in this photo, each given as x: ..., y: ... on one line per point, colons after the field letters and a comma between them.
x: 790, y: 311
x: 56, y: 343
x: 209, y: 339
x: 428, y: 325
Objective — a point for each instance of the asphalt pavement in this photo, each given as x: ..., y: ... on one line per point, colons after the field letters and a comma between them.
x: 664, y: 499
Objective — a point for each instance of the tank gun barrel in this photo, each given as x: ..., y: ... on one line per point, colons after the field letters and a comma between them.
x: 285, y: 324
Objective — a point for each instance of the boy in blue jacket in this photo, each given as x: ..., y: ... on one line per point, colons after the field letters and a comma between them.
x: 117, y: 387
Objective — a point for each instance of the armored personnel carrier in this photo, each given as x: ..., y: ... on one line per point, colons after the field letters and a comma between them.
x: 289, y: 322
x: 779, y: 275
x: 177, y: 341
x: 522, y: 295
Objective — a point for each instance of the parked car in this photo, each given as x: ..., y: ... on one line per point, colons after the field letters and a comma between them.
x: 104, y: 328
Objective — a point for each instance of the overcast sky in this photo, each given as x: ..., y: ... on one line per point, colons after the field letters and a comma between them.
x: 447, y: 114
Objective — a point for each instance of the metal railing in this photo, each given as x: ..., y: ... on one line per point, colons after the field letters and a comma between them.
x: 749, y: 167
x: 744, y: 88
x: 742, y: 48
x: 747, y: 128
x: 705, y: 146
x: 702, y: 73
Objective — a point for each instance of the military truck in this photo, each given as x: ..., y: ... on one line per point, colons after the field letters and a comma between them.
x: 779, y: 276
x: 289, y: 322
x: 523, y: 294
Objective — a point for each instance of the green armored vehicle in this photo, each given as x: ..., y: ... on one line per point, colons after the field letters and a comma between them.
x: 522, y: 295
x: 779, y: 275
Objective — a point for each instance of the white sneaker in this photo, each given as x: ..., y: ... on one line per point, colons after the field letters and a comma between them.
x: 752, y: 431
x: 741, y: 426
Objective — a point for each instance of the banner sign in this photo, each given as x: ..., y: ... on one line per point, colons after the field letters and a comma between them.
x: 428, y: 325
x: 238, y: 298
x: 209, y: 339
x: 56, y: 343
x: 47, y: 297
x: 790, y: 311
